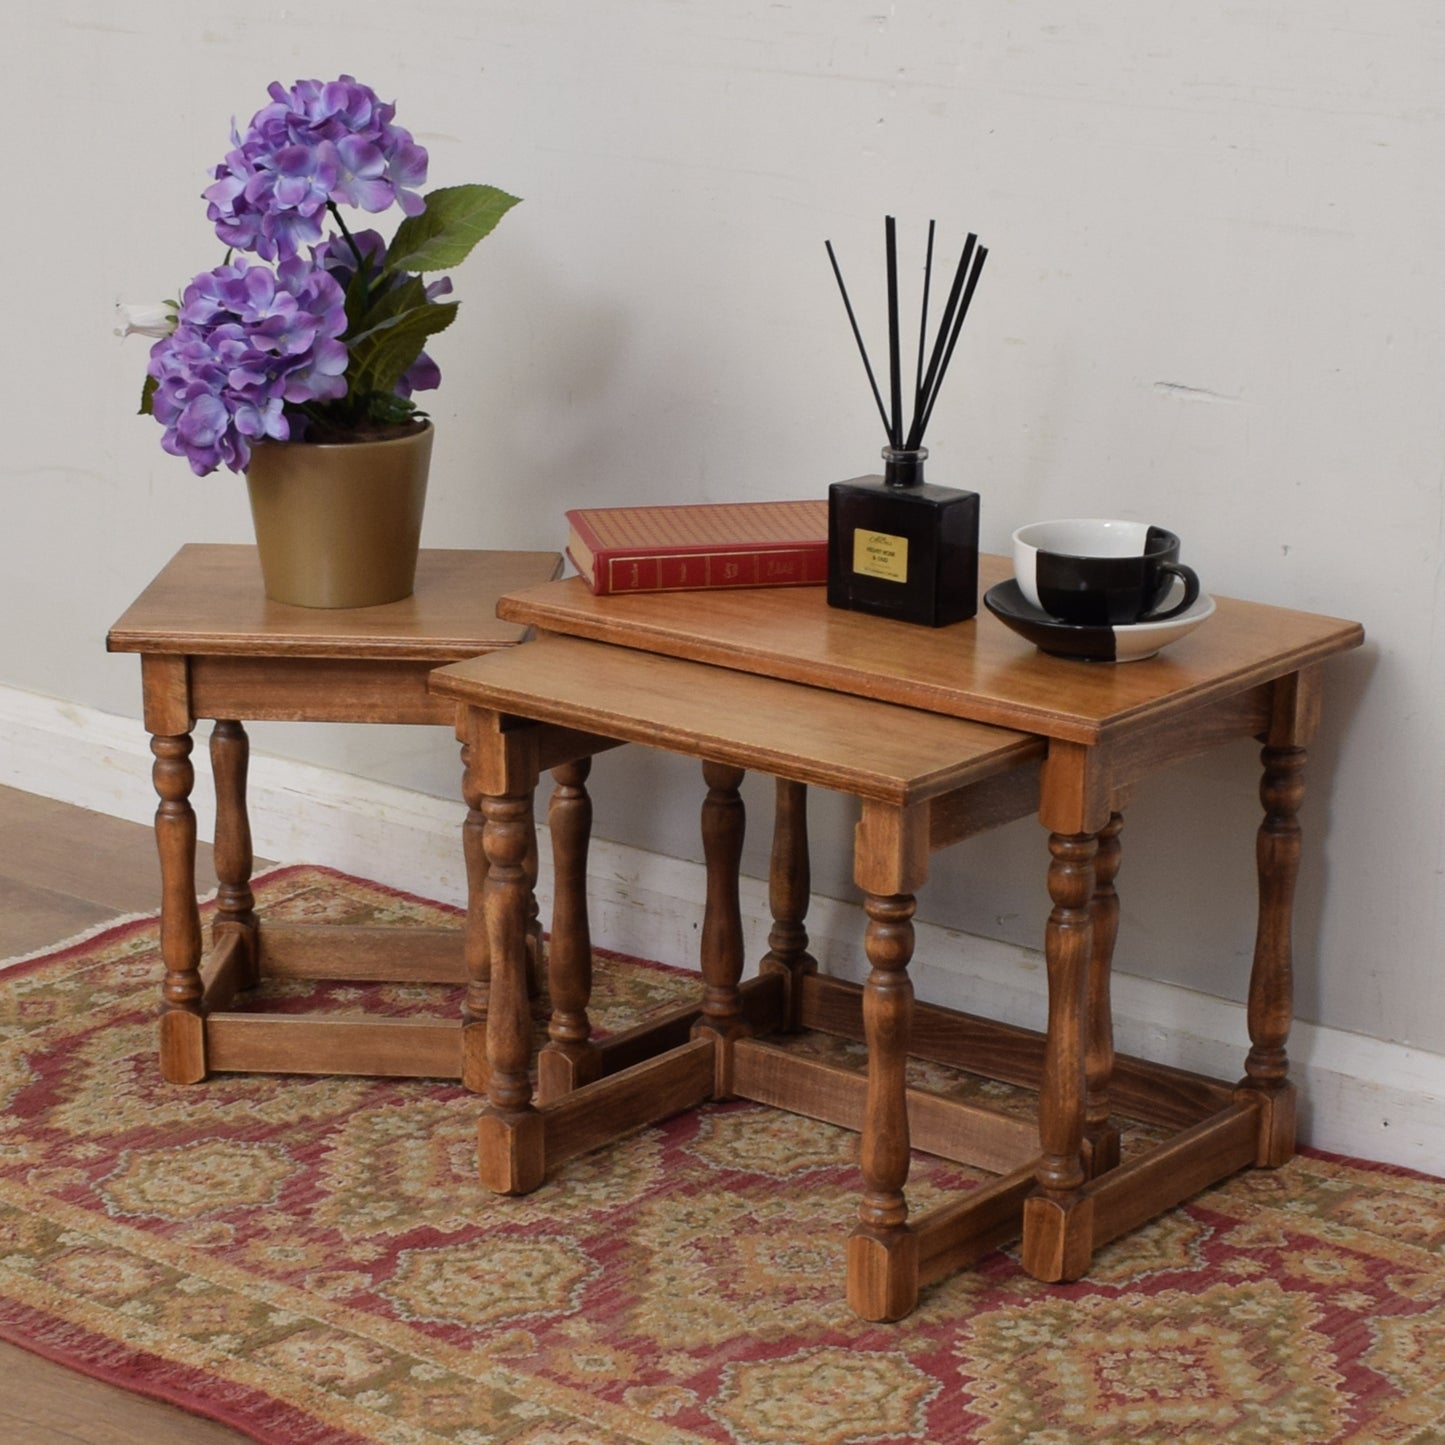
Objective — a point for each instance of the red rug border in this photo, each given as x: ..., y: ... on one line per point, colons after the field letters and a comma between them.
x: 136, y: 1377
x: 30, y: 962
x: 1370, y: 1166
x: 123, y: 927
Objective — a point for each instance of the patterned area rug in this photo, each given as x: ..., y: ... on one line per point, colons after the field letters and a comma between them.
x: 313, y: 1261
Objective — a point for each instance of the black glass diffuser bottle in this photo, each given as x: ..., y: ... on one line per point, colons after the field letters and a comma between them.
x: 897, y: 546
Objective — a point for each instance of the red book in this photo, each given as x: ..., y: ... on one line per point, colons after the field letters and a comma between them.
x: 690, y: 548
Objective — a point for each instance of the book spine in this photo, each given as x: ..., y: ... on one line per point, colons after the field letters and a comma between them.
x: 803, y: 566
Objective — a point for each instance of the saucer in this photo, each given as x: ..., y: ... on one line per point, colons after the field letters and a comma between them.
x: 1127, y: 642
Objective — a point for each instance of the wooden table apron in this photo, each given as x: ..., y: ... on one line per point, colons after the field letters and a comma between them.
x: 1250, y: 671
x: 213, y: 646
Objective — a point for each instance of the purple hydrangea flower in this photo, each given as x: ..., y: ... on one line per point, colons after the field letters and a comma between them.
x: 422, y: 375
x: 313, y: 145
x: 248, y: 341
x: 337, y: 256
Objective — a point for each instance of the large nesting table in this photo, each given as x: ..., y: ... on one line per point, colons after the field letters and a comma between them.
x: 940, y: 734
x: 212, y: 645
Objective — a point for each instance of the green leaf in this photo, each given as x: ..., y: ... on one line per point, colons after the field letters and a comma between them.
x: 358, y: 295
x: 147, y: 392
x: 455, y: 219
x: 386, y: 307
x: 379, y: 358
x: 387, y: 409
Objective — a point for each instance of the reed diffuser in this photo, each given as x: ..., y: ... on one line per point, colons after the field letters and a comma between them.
x: 898, y: 546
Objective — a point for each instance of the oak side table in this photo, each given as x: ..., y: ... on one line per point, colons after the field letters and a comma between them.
x: 1100, y: 731
x: 557, y: 702
x: 212, y: 645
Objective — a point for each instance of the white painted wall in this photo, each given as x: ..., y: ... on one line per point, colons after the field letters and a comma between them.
x: 1214, y: 300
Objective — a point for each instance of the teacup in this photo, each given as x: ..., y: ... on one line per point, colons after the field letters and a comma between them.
x: 1100, y: 573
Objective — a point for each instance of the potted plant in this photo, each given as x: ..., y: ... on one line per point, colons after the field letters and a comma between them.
x: 297, y: 360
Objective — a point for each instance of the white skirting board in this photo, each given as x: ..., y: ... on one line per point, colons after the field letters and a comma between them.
x: 1359, y: 1095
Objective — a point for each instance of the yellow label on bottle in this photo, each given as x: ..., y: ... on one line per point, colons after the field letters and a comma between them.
x: 880, y: 554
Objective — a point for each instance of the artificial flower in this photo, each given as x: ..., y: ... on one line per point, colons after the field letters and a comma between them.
x: 309, y: 331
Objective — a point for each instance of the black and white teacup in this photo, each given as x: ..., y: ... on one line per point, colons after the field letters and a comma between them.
x: 1099, y: 573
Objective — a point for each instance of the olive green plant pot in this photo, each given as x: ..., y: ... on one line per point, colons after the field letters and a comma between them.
x: 339, y: 524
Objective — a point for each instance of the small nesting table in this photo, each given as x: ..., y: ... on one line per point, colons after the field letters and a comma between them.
x: 777, y: 680
x: 924, y: 781
x: 212, y: 645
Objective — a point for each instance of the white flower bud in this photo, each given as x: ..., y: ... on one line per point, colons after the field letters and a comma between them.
x: 153, y: 318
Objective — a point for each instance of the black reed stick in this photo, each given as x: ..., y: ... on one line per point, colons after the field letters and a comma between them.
x: 858, y: 336
x: 927, y: 383
x: 923, y: 323
x: 895, y: 382
x: 934, y: 377
x: 968, y: 291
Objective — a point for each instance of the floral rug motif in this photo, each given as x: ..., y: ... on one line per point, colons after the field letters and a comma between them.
x: 314, y: 1262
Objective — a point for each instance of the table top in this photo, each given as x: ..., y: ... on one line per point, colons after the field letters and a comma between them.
x: 977, y: 669
x: 209, y: 601
x: 821, y: 737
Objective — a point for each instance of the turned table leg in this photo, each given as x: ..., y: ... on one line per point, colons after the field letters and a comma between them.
x: 789, y: 891
x: 536, y: 953
x: 1058, y: 1232
x: 882, y: 1250
x: 511, y: 1139
x: 569, y: 1058
x: 235, y: 903
x: 1271, y: 982
x: 183, y: 1039
x: 1101, y: 1139
x: 476, y: 950
x: 723, y: 823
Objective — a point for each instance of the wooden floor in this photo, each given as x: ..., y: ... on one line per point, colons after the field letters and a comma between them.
x: 64, y: 870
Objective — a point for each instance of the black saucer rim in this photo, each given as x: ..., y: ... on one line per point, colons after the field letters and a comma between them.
x: 1006, y: 599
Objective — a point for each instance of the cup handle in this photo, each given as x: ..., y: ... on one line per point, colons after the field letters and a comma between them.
x: 1191, y: 593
